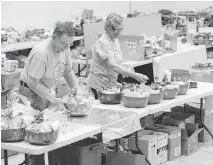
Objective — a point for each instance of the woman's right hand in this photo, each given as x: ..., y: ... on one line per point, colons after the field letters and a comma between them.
x: 140, y: 77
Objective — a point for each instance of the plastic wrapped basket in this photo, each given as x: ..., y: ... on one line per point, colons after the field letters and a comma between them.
x: 180, y: 75
x: 170, y: 93
x: 133, y: 102
x: 155, y: 98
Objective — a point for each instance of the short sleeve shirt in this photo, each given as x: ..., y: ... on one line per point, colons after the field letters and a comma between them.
x: 46, y: 66
x: 101, y: 74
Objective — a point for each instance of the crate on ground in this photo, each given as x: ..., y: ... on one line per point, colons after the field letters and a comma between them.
x: 85, y: 152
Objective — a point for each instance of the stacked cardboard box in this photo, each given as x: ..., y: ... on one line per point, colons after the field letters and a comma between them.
x: 189, y: 130
x: 174, y: 139
x: 147, y: 144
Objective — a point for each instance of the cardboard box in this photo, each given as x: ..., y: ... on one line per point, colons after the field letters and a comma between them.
x: 147, y: 120
x: 203, y: 135
x: 120, y: 158
x: 189, y: 142
x: 208, y: 120
x: 132, y: 47
x: 148, y: 145
x: 174, y: 139
x: 208, y: 104
x: 162, y: 144
x: 175, y: 118
x: 189, y: 110
x: 10, y: 80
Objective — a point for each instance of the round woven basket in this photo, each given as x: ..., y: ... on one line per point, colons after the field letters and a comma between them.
x: 133, y: 102
x: 13, y: 135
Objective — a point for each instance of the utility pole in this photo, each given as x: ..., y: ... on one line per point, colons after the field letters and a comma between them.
x: 130, y: 7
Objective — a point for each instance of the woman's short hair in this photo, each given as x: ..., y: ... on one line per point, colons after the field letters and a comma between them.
x: 64, y: 28
x: 112, y: 20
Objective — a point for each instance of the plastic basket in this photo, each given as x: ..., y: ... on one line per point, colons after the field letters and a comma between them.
x: 132, y: 102
x: 155, y: 98
x: 170, y: 93
x: 109, y: 98
x: 183, y: 89
x: 180, y: 75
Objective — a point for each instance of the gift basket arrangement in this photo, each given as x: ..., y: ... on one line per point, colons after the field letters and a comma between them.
x: 175, y: 82
x: 135, y: 96
x: 78, y: 105
x: 110, y: 94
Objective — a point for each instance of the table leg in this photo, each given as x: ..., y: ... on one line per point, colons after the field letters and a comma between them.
x: 117, y: 141
x: 139, y: 150
x: 5, y: 157
x: 185, y: 107
x: 46, y: 160
x: 201, y: 118
x: 79, y: 70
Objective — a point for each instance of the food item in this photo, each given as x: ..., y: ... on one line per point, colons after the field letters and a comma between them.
x: 42, y: 132
x: 170, y: 86
x: 110, y: 95
x: 183, y: 87
x: 170, y: 91
x: 135, y: 96
x: 12, y: 129
x: 156, y: 93
x: 111, y: 91
x: 79, y: 104
x: 8, y: 123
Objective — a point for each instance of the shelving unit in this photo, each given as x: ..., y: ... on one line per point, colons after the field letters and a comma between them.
x: 25, y: 45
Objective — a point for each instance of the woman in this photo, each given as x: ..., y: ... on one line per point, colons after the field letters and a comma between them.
x: 107, y: 57
x: 47, y: 63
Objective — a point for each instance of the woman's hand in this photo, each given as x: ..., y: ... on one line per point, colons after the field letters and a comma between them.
x: 74, y: 91
x: 140, y: 77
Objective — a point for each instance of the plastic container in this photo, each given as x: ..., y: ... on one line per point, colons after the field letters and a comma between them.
x: 133, y: 102
x: 155, y: 98
x: 109, y: 98
x: 170, y: 93
x: 180, y: 75
x: 183, y: 89
x: 84, y: 152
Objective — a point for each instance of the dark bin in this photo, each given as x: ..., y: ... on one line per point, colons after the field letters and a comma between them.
x: 85, y: 152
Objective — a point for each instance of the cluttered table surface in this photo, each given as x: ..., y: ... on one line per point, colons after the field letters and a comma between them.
x: 110, y: 120
x: 74, y: 133
x: 24, y: 45
x: 203, y: 90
